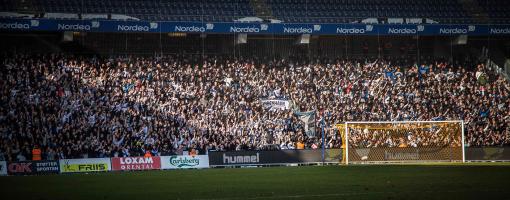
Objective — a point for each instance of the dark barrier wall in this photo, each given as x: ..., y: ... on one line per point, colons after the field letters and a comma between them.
x: 488, y: 153
x: 33, y: 167
x: 218, y: 158
x: 405, y: 154
x: 471, y: 153
x: 272, y: 157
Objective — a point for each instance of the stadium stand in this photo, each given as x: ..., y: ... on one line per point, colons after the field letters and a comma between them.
x: 147, y: 95
x: 80, y: 106
x: 167, y: 94
x: 292, y: 11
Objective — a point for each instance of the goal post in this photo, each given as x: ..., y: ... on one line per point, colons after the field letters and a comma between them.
x: 402, y: 141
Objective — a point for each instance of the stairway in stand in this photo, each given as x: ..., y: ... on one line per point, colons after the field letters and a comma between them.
x: 262, y: 9
x: 475, y: 11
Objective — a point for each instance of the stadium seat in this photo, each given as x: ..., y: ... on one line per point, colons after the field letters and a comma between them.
x: 288, y: 10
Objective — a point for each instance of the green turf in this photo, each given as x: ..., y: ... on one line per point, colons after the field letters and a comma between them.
x: 473, y: 181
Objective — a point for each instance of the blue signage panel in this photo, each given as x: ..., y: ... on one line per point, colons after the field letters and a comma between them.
x: 249, y: 28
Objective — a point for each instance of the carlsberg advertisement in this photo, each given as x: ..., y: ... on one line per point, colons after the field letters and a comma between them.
x: 184, y: 162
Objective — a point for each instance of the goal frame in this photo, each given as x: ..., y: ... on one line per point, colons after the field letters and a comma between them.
x: 346, y: 136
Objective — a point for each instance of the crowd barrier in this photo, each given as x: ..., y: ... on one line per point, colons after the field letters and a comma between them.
x: 213, y: 159
x: 488, y: 154
x: 391, y: 154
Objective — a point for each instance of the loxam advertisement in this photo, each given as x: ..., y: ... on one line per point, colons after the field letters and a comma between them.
x: 136, y: 163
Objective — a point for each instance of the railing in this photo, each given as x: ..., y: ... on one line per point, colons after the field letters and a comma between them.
x: 297, y: 19
x: 503, y: 72
x: 507, y: 68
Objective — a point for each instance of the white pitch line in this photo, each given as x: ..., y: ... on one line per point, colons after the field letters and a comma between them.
x: 342, y: 194
x: 298, y: 196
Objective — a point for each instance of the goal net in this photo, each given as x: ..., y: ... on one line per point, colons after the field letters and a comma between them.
x: 410, y: 141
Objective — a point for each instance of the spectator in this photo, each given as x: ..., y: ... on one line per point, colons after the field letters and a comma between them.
x: 36, y: 153
x: 75, y: 106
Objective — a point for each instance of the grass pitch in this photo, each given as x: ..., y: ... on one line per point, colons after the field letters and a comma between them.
x: 466, y: 181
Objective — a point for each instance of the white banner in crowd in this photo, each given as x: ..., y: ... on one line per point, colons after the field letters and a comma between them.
x: 274, y: 104
x: 3, y: 168
x: 85, y: 165
x: 308, y: 118
x: 184, y: 162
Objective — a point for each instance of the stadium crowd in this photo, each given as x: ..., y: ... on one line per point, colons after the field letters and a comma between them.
x: 77, y: 106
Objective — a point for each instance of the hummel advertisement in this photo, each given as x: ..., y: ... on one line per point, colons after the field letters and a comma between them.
x: 237, y: 158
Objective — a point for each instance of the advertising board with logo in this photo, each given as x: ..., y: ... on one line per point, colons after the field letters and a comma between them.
x: 136, y: 163
x: 184, y: 162
x: 3, y: 168
x: 219, y: 158
x: 92, y: 25
x: 405, y: 154
x: 33, y: 167
x: 85, y: 165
